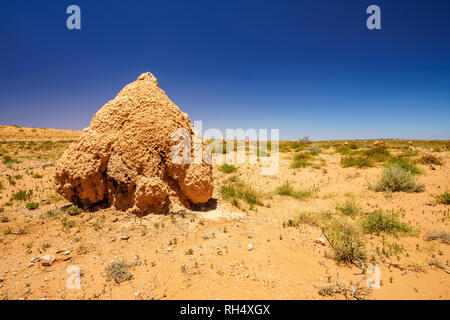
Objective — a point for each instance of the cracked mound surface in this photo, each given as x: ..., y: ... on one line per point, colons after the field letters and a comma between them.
x: 124, y: 158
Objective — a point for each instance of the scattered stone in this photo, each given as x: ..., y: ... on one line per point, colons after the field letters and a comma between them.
x: 125, y: 237
x: 47, y: 260
x: 249, y: 247
x: 320, y: 241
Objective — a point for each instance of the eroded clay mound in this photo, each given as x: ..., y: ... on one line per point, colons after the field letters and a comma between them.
x: 124, y: 158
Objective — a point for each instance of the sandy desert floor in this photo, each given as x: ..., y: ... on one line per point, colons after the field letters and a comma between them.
x: 232, y: 248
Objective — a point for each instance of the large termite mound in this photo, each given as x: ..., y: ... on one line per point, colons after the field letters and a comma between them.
x: 124, y: 159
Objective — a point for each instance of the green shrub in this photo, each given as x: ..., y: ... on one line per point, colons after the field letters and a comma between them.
x: 118, y: 271
x: 8, y: 160
x: 378, y: 222
x: 349, y: 208
x: 395, y: 178
x: 32, y: 205
x: 238, y: 190
x: 73, y: 210
x: 347, y: 240
x: 287, y: 190
x: 67, y: 224
x: 378, y: 154
x: 227, y: 168
x: 429, y: 159
x: 22, y: 195
x: 443, y: 198
x: 404, y: 164
x: 360, y: 162
x: 300, y: 163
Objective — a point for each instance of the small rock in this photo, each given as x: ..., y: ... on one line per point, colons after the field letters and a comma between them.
x: 250, y: 246
x: 47, y: 260
x: 169, y: 249
x: 125, y: 237
x: 320, y: 241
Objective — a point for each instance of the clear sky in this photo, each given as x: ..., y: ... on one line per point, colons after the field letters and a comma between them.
x: 309, y: 68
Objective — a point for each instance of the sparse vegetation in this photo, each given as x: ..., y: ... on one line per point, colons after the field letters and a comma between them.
x: 32, y: 205
x: 301, y: 160
x: 9, y: 160
x: 405, y: 164
x: 22, y: 195
x: 347, y: 240
x: 443, y: 198
x: 67, y: 224
x: 234, y: 191
x: 348, y: 208
x: 396, y: 178
x: 429, y: 159
x: 360, y: 162
x: 380, y: 222
x: 227, y: 168
x: 118, y: 271
x: 73, y: 210
x: 287, y: 190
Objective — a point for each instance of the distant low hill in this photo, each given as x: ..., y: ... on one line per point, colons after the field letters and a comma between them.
x: 8, y: 133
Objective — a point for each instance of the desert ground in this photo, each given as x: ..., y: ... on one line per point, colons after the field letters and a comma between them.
x: 313, y: 231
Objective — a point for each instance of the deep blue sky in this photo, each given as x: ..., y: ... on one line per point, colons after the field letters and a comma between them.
x: 309, y: 68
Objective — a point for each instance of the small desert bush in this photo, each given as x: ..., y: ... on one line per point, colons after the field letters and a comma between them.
x: 53, y: 198
x: 22, y: 195
x: 300, y: 163
x: 32, y: 205
x: 300, y: 160
x: 380, y: 222
x: 443, y: 198
x: 51, y: 214
x: 429, y: 159
x: 287, y: 190
x: 348, y: 150
x: 227, y: 168
x: 4, y: 219
x: 395, y: 178
x: 360, y: 162
x: 349, y: 208
x: 73, y: 210
x: 235, y: 191
x: 378, y: 154
x: 346, y: 239
x: 11, y: 180
x: 1, y: 186
x: 410, y: 153
x: 404, y: 164
x: 67, y: 224
x: 118, y: 271
x: 345, y: 235
x: 9, y: 160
